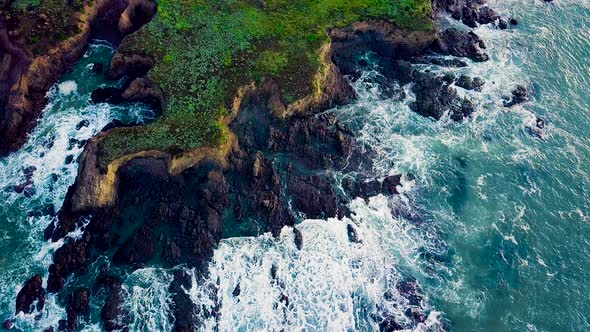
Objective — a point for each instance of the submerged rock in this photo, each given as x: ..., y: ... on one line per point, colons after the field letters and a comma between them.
x: 97, y: 68
x: 519, y: 96
x: 77, y: 305
x: 469, y: 83
x: 184, y: 308
x: 110, y: 313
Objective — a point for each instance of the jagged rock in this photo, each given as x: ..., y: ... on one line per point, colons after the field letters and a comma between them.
x: 463, y: 44
x: 110, y: 312
x: 31, y: 292
x: 23, y: 103
x: 78, y: 305
x: 97, y: 68
x: 435, y: 97
x: 72, y: 256
x: 469, y: 83
x: 314, y: 196
x: 298, y: 238
x: 519, y: 96
x: 367, y: 189
x: 352, y: 234
x: 82, y: 124
x: 185, y: 318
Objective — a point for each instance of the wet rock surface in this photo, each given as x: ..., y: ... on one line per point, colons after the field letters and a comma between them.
x: 471, y: 12
x: 32, y: 292
x: 110, y: 313
x: 462, y: 44
x: 519, y: 96
x: 27, y: 77
x: 179, y: 218
x: 435, y: 98
x: 78, y: 306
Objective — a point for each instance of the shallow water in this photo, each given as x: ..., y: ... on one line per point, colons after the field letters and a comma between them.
x: 47, y: 148
x: 495, y: 228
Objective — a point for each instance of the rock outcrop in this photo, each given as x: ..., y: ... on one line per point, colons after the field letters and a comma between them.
x: 174, y: 207
x: 31, y: 293
x: 26, y: 77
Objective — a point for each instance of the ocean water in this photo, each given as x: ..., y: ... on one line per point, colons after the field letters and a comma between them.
x: 494, y: 226
x: 24, y: 216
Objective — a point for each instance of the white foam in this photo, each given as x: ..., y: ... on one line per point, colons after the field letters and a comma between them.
x: 147, y: 299
x: 331, y: 283
x: 67, y: 88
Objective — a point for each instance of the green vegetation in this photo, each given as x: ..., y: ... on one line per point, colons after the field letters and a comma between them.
x: 205, y: 50
x: 45, y: 23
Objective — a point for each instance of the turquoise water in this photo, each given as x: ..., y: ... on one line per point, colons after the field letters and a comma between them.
x: 495, y: 227
x: 509, y: 210
x: 55, y: 138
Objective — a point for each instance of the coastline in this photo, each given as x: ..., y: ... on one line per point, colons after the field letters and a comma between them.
x: 242, y: 158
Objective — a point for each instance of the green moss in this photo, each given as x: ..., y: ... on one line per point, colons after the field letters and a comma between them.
x: 46, y: 23
x: 206, y: 50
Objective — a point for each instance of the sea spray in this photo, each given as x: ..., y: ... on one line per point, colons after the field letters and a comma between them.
x: 330, y: 284
x: 46, y: 166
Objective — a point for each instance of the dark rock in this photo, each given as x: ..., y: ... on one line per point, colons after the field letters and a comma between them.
x: 449, y: 78
x: 502, y: 24
x: 138, y: 249
x: 28, y: 172
x: 62, y: 325
x: 389, y: 325
x: 110, y: 312
x: 410, y: 290
x: 185, y: 317
x: 314, y: 196
x: 82, y: 124
x: 78, y: 305
x: 463, y: 44
x: 45, y: 210
x: 435, y: 97
x: 32, y: 291
x: 519, y: 96
x: 469, y: 83
x: 69, y: 159
x: 436, y: 60
x: 72, y: 256
x: 7, y: 325
x: 131, y: 65
x: 352, y: 234
x: 106, y: 95
x: 540, y: 123
x: 389, y: 185
x: 367, y: 189
x: 513, y: 21
x: 236, y: 291
x: 298, y: 238
x: 97, y: 68
x: 538, y: 129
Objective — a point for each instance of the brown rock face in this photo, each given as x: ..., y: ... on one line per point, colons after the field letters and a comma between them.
x: 31, y: 292
x: 27, y: 78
